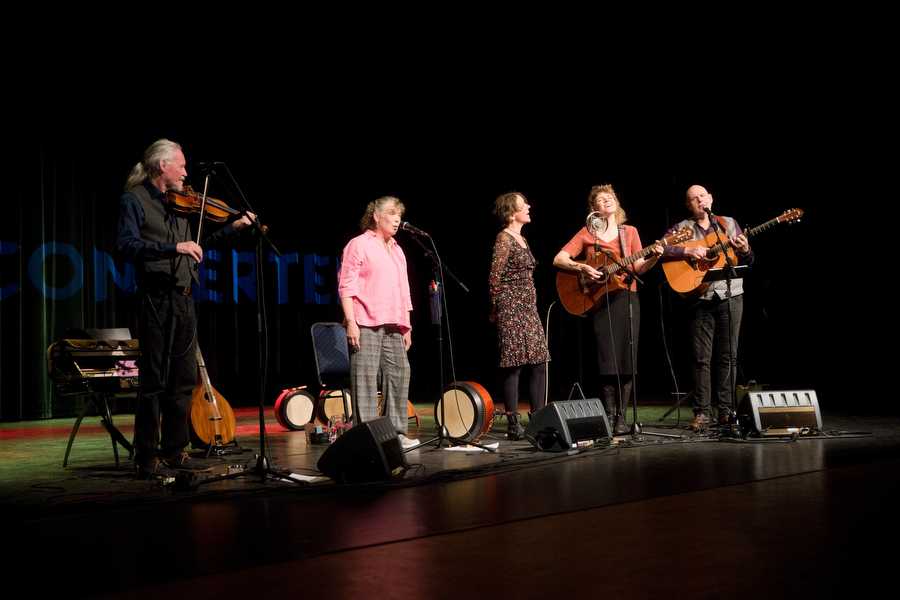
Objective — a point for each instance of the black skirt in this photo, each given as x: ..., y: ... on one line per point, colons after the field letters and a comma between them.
x: 612, y: 330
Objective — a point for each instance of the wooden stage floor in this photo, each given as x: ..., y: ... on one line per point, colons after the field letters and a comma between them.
x: 670, y: 517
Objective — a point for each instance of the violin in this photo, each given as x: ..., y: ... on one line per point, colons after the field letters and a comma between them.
x: 189, y: 201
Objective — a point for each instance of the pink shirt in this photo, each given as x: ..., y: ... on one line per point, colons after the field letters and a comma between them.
x: 377, y: 282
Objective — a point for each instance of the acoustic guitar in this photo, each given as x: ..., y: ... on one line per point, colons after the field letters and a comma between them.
x: 686, y: 276
x: 212, y: 420
x: 581, y: 296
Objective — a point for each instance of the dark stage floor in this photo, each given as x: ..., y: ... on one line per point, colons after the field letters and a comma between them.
x: 683, y: 517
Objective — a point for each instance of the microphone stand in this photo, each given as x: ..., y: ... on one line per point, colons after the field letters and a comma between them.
x: 438, y: 300
x: 210, y: 447
x: 730, y: 275
x: 636, y: 427
x: 263, y: 467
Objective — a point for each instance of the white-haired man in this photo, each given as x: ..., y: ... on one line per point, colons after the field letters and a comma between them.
x: 158, y: 241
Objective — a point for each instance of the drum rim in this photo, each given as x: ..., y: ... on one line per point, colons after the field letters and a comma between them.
x: 281, y: 405
x: 487, y: 415
x: 320, y: 404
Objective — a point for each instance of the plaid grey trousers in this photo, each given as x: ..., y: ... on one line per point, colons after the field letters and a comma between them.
x: 381, y: 358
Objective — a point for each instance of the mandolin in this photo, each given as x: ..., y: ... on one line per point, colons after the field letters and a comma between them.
x: 581, y: 296
x: 212, y: 420
x: 686, y: 276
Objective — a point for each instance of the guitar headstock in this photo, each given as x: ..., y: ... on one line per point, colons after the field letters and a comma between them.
x: 790, y: 215
x: 679, y: 237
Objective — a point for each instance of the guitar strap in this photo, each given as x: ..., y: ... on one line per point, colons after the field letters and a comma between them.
x: 623, y: 252
x: 724, y: 226
x: 622, y: 240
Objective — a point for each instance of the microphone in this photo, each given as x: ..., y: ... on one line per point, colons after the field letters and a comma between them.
x: 707, y: 211
x: 596, y: 223
x: 206, y: 167
x: 412, y: 229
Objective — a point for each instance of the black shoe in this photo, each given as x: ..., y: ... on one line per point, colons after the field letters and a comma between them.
x: 156, y: 469
x: 621, y: 426
x: 515, y: 430
x: 186, y: 464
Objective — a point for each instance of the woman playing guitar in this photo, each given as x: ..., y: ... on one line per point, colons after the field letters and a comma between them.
x: 604, y: 269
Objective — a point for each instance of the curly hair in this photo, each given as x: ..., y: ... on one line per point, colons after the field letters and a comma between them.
x: 368, y: 219
x: 506, y: 205
x: 621, y: 217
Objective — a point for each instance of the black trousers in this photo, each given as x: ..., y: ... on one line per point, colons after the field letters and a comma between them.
x: 168, y: 374
x: 714, y: 343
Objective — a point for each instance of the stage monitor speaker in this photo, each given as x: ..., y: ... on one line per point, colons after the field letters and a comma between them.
x: 781, y: 412
x: 367, y: 452
x: 559, y: 426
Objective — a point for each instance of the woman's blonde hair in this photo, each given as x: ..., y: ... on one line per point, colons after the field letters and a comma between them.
x: 621, y: 217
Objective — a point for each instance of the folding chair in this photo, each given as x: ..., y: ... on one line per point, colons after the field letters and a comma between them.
x: 333, y: 364
x: 333, y: 360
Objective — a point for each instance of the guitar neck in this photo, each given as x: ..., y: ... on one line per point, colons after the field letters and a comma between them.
x: 763, y: 227
x: 624, y: 262
x: 672, y: 239
x: 751, y: 232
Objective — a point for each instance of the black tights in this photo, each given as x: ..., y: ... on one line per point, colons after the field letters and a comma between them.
x: 510, y: 381
x: 615, y: 400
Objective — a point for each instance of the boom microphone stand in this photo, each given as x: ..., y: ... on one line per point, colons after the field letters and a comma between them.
x: 438, y: 299
x: 630, y: 275
x: 728, y: 274
x: 263, y: 467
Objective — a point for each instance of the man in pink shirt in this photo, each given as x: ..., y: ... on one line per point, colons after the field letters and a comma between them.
x: 374, y: 289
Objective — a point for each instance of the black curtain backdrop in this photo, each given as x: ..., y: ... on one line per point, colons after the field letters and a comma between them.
x: 309, y: 152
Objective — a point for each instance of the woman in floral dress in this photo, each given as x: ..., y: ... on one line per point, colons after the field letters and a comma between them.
x: 523, y: 347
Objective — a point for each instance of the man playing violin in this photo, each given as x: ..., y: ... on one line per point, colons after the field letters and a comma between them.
x: 158, y: 241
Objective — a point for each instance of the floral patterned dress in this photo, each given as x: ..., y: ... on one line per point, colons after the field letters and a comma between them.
x: 514, y: 304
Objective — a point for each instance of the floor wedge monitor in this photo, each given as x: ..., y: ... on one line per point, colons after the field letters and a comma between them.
x: 781, y: 412
x: 367, y: 452
x: 559, y: 426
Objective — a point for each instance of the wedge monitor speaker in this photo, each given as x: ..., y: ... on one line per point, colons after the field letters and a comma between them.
x: 559, y: 426
x: 366, y: 452
x: 781, y: 412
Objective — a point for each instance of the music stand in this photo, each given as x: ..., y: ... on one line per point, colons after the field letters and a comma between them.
x: 725, y: 274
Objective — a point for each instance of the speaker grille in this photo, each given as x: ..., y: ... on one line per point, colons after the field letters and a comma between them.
x: 782, y: 412
x: 560, y: 425
x: 386, y: 437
